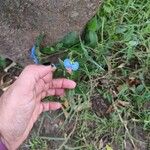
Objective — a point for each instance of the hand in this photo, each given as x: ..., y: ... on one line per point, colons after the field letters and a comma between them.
x: 21, y: 104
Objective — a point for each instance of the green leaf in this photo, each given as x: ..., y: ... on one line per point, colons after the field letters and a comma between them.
x: 129, y: 53
x: 140, y: 88
x: 59, y: 46
x: 91, y: 38
x: 92, y: 25
x: 133, y: 43
x: 107, y: 8
x: 2, y: 63
x: 121, y: 29
x: 70, y: 39
x: 48, y: 50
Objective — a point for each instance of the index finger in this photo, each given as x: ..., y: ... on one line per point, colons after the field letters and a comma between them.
x: 62, y: 83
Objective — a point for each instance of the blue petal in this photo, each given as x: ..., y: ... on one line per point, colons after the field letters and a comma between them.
x: 33, y: 51
x: 33, y: 55
x: 67, y: 63
x: 75, y: 66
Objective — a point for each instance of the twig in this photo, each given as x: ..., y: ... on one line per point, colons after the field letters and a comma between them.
x: 10, y: 66
x: 125, y: 126
x: 40, y: 126
x: 63, y: 144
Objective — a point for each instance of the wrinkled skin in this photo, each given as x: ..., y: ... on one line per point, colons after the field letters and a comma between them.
x: 21, y: 104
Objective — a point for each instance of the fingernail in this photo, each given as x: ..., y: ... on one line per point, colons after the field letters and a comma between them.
x: 74, y: 84
x: 53, y: 67
x: 57, y: 106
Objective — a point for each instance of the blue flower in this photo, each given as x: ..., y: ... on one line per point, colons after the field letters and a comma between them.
x: 33, y: 55
x: 71, y: 65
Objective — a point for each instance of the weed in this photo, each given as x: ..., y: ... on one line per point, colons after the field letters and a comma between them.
x: 114, y: 57
x: 36, y: 143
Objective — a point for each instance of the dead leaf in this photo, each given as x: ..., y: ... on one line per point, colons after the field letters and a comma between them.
x: 110, y: 109
x: 118, y: 104
x: 122, y: 103
x: 65, y: 112
x: 108, y: 147
x: 66, y: 103
x: 133, y: 81
x: 121, y: 65
x: 101, y: 144
x: 83, y: 106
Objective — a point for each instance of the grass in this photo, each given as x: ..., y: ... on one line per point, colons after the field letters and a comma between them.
x: 114, y: 57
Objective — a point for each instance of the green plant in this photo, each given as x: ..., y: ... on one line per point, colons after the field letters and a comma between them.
x: 36, y: 143
x: 114, y: 59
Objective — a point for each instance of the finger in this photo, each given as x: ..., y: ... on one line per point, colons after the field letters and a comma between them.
x: 51, y: 92
x: 55, y: 92
x: 62, y: 84
x: 51, y: 106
